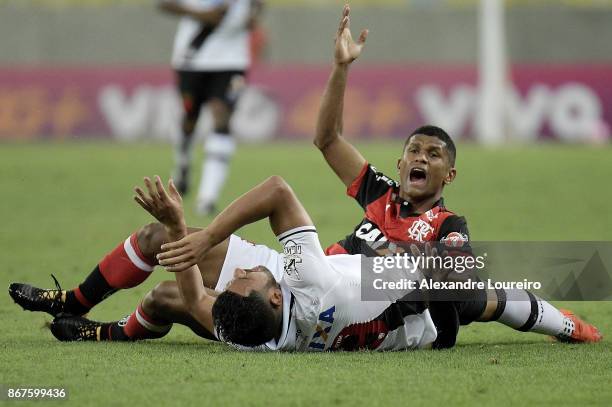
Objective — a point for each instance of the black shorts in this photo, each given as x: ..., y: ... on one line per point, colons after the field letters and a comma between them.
x: 197, y: 88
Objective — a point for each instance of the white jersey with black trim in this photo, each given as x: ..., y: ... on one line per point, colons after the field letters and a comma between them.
x: 322, y: 306
x: 327, y: 307
x: 201, y: 47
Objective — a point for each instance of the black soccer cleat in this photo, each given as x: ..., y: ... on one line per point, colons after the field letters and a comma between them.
x: 31, y: 298
x: 68, y: 329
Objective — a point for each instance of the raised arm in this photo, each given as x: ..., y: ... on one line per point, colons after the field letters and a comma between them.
x: 273, y: 199
x: 212, y: 16
x: 342, y: 157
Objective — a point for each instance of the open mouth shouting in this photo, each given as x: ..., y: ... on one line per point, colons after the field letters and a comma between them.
x: 417, y: 177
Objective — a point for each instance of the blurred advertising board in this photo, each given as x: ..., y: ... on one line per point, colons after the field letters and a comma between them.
x: 570, y: 103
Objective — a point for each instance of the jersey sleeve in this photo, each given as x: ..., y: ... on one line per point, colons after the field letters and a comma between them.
x: 369, y: 185
x: 454, y: 236
x: 306, y: 269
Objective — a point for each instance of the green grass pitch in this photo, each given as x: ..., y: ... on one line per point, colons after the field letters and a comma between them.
x: 65, y: 205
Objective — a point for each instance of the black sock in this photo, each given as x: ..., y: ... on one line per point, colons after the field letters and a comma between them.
x: 92, y: 291
x: 112, y: 331
x: 74, y: 306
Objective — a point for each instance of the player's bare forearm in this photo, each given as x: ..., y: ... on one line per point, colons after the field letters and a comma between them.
x: 212, y: 16
x: 273, y: 199
x: 329, y: 121
x: 197, y: 299
x: 342, y: 157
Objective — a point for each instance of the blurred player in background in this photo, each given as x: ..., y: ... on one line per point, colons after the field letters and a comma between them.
x: 211, y: 57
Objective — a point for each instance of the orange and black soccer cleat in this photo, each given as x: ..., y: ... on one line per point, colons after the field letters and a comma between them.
x: 578, y: 331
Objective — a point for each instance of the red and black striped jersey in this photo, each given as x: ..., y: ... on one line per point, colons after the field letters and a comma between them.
x: 390, y: 219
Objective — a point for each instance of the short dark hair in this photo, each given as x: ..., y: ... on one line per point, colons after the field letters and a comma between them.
x: 247, y: 321
x: 437, y: 132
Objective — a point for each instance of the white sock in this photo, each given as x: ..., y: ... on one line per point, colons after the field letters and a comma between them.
x: 524, y: 311
x: 219, y: 150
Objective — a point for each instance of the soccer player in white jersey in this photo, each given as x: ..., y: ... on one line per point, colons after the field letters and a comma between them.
x: 211, y: 57
x: 300, y: 300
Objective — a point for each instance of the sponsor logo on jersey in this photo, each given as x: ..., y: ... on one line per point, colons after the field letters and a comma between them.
x: 324, y: 325
x: 370, y: 233
x: 420, y: 230
x: 383, y: 178
x: 455, y: 240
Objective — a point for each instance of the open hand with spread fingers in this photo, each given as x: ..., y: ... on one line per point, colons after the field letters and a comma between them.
x: 165, y: 206
x: 347, y: 50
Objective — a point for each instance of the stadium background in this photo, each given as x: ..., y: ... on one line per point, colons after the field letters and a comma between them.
x: 87, y: 107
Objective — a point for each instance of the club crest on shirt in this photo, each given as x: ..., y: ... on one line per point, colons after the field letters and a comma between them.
x: 420, y: 230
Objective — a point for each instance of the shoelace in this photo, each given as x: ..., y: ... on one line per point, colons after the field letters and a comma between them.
x: 56, y: 300
x: 57, y: 284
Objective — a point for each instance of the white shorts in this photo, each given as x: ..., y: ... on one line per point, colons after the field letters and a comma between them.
x: 245, y: 255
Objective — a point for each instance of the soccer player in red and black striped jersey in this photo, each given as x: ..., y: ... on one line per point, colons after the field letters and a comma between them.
x: 411, y: 210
